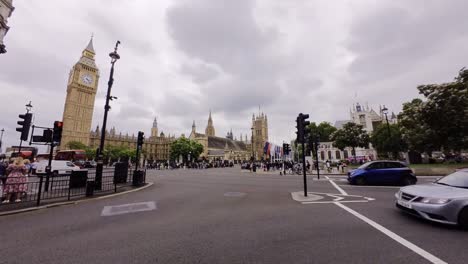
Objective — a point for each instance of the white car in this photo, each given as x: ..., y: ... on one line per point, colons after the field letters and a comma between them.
x: 58, y: 167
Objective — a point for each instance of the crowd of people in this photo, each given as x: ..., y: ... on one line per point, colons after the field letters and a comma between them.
x: 14, y: 178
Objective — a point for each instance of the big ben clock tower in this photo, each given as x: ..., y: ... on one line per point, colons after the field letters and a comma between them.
x: 79, y: 103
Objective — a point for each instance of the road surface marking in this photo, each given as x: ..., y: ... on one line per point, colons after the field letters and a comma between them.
x: 314, y: 197
x: 234, y: 194
x: 397, y: 238
x: 128, y: 208
x: 370, y: 186
x: 336, y: 186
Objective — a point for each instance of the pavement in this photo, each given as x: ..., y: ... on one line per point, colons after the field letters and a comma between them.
x: 228, y: 216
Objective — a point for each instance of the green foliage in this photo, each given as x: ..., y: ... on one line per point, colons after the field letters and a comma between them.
x: 351, y: 135
x: 441, y: 121
x: 76, y: 145
x: 388, y: 139
x: 324, y: 130
x: 183, y: 147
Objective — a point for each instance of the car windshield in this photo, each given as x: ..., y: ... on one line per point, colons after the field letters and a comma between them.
x: 363, y: 166
x: 457, y: 179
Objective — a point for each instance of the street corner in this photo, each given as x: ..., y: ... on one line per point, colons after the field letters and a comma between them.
x: 323, y: 198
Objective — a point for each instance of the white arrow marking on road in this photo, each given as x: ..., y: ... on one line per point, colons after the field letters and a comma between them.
x: 337, y: 198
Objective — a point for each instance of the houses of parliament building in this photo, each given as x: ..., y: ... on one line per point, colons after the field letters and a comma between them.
x: 78, y: 112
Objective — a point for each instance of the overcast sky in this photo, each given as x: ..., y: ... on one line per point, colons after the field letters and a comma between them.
x: 179, y: 59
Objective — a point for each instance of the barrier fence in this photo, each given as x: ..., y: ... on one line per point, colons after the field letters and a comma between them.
x: 34, y: 189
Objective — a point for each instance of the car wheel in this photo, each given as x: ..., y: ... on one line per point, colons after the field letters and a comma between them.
x: 361, y: 181
x: 408, y: 181
x: 463, y: 218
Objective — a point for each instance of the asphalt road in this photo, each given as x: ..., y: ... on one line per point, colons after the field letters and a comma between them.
x: 230, y: 216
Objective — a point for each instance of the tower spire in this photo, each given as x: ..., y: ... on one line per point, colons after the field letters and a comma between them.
x: 155, y: 122
x: 90, y: 46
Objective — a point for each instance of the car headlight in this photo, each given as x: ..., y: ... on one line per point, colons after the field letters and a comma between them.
x: 427, y: 200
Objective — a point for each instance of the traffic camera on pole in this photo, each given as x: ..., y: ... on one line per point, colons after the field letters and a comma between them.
x: 57, y: 133
x: 25, y: 124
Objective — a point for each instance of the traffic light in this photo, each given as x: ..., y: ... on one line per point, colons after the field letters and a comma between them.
x: 141, y: 137
x: 57, y: 133
x: 302, y: 124
x: 286, y: 149
x: 25, y: 124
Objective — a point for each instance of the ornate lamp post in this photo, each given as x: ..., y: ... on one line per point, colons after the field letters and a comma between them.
x: 114, y: 57
x: 385, y: 112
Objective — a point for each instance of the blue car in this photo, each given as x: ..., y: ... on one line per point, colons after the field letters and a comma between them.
x: 382, y: 172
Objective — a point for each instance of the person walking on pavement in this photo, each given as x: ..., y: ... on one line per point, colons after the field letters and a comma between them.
x: 327, y: 163
x: 16, y: 180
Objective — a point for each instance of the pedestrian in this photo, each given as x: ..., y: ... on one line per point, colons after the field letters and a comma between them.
x: 16, y: 180
x: 308, y: 165
x: 328, y: 165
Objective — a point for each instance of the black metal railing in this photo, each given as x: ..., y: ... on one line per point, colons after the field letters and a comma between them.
x: 32, y: 190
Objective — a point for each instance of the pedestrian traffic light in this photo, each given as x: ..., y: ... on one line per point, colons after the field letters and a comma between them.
x: 302, y: 124
x: 57, y: 134
x: 25, y: 124
x: 141, y: 137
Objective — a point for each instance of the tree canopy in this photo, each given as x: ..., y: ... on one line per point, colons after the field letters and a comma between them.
x: 351, y: 135
x: 388, y: 139
x: 440, y: 122
x: 324, y: 130
x: 183, y: 147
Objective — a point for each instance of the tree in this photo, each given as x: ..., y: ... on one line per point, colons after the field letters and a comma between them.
x: 76, y: 145
x: 324, y: 130
x: 351, y: 135
x: 385, y: 141
x: 446, y: 112
x: 441, y: 121
x: 415, y: 132
x: 183, y: 147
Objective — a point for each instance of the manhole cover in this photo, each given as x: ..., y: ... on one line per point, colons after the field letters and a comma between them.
x: 234, y: 194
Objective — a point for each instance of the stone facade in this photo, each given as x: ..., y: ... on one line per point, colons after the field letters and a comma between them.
x: 260, y: 134
x: 6, y: 8
x: 219, y: 148
x: 79, y: 103
x: 155, y: 148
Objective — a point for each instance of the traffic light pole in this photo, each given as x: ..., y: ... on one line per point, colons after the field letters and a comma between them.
x: 304, y: 169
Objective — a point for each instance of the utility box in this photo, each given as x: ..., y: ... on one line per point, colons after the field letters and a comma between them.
x: 120, y: 172
x: 138, y: 178
x: 78, y: 179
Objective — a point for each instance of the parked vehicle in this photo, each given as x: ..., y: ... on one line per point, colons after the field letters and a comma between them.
x: 58, y: 167
x: 444, y: 201
x: 382, y: 172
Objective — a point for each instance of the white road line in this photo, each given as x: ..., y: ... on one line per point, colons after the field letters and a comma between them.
x: 397, y: 238
x: 358, y: 201
x: 370, y: 186
x: 336, y: 186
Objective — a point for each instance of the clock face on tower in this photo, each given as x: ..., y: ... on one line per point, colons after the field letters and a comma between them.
x: 87, y: 79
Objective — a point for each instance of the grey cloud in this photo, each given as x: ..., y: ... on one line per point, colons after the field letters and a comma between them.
x: 393, y: 39
x: 200, y: 72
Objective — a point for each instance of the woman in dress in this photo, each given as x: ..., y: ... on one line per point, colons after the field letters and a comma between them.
x: 16, y: 180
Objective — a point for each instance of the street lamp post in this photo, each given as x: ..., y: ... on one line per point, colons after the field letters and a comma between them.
x: 99, y: 167
x: 1, y: 139
x: 385, y: 112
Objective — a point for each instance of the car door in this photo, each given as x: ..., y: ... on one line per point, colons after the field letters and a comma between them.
x: 375, y: 173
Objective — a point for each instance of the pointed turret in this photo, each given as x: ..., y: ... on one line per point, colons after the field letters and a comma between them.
x: 90, y: 46
x: 210, y: 131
